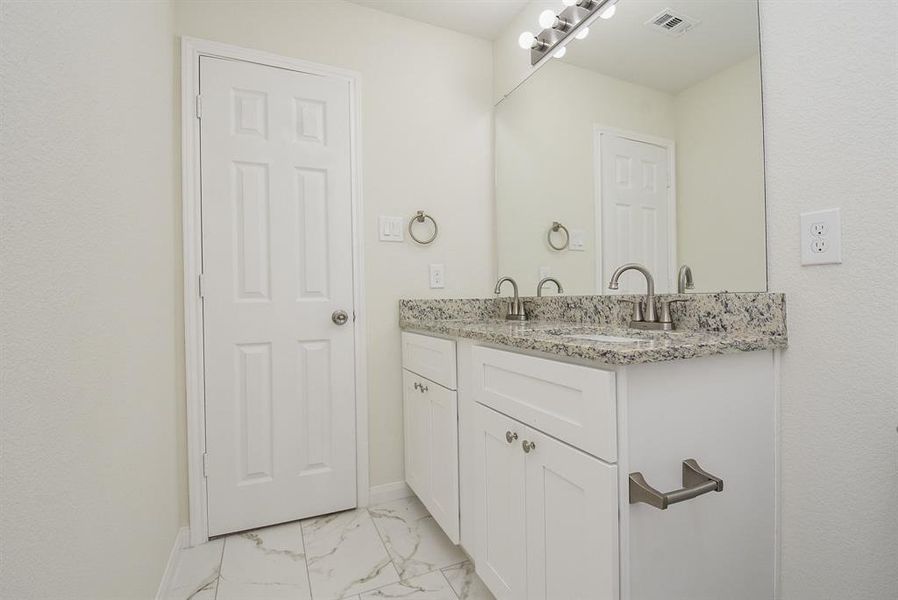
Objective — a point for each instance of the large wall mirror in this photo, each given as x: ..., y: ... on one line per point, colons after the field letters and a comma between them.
x: 643, y: 143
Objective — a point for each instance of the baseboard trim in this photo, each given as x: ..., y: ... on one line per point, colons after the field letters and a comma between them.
x: 182, y: 540
x: 389, y: 491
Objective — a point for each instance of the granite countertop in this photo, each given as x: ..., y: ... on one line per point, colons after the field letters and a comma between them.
x: 557, y: 338
x: 720, y: 324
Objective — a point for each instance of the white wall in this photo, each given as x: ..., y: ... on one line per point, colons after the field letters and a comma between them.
x: 831, y: 112
x: 427, y: 144
x: 545, y: 165
x: 720, y: 180
x: 90, y: 323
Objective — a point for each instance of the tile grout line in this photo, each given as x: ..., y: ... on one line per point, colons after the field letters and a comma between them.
x: 305, y: 559
x: 449, y: 583
x: 384, y: 544
x: 224, y: 544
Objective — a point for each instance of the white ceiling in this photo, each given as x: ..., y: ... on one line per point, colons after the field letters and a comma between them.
x: 481, y: 18
x: 625, y: 48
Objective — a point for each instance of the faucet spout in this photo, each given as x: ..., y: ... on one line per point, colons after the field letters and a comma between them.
x: 544, y: 281
x: 515, y: 306
x: 684, y: 280
x: 651, y: 314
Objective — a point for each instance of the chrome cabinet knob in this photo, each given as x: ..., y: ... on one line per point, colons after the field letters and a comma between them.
x: 528, y: 446
x: 340, y: 317
x: 510, y: 437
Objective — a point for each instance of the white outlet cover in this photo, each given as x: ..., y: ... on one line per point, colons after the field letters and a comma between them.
x: 389, y: 229
x: 544, y: 272
x: 437, y: 277
x: 821, y: 237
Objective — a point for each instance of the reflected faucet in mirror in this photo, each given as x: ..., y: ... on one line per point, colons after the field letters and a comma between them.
x: 684, y: 280
x: 544, y: 281
x: 515, y: 306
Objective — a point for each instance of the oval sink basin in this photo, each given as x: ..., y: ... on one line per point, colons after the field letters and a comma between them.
x: 609, y: 338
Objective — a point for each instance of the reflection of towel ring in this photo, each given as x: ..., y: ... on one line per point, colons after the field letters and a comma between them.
x: 567, y: 236
x: 420, y: 217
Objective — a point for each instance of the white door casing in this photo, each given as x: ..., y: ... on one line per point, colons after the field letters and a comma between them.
x: 277, y: 250
x: 635, y: 209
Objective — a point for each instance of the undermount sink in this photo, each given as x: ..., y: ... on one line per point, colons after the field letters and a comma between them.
x: 614, y: 339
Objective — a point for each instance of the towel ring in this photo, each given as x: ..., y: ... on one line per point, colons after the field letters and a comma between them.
x: 554, y: 229
x: 420, y: 217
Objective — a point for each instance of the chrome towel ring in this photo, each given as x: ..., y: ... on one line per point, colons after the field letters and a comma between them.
x: 554, y: 229
x: 420, y: 217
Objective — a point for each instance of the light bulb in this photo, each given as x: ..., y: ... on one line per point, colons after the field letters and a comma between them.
x: 525, y: 40
x: 547, y: 18
x: 569, y: 2
x: 560, y: 52
x: 581, y: 35
x: 607, y: 13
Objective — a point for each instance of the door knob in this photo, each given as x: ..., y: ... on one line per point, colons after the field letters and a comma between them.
x: 340, y: 317
x: 528, y: 446
x: 510, y: 437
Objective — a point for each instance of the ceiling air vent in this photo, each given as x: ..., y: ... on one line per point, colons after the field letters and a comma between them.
x: 671, y: 23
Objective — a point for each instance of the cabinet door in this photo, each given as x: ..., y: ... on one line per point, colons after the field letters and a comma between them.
x: 499, y: 504
x: 442, y: 500
x: 416, y: 427
x: 572, y: 524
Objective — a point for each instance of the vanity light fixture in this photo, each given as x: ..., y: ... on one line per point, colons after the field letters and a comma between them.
x: 557, y: 28
x: 549, y: 20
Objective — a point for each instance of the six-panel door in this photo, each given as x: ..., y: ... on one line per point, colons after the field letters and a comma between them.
x: 277, y: 263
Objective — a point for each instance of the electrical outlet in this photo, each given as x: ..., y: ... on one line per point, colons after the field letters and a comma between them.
x: 544, y: 272
x: 389, y: 229
x: 437, y: 277
x: 821, y: 237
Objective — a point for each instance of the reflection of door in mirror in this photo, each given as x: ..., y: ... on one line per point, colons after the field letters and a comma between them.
x: 684, y: 105
x: 636, y: 209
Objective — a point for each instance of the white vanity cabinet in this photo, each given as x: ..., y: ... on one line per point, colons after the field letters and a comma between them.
x: 430, y: 416
x: 546, y: 451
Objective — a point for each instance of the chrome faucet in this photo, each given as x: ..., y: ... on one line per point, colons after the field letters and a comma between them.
x: 684, y: 280
x: 645, y: 313
x: 515, y: 306
x: 544, y: 281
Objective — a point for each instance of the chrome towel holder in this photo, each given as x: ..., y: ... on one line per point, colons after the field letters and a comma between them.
x: 556, y: 226
x: 420, y: 217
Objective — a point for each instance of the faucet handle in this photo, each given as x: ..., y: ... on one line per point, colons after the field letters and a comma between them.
x: 638, y: 315
x: 665, y: 309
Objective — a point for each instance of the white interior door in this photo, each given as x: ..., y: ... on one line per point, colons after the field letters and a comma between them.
x: 277, y: 262
x: 635, y: 208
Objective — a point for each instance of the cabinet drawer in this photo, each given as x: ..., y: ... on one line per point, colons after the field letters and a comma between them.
x: 572, y: 403
x: 429, y: 357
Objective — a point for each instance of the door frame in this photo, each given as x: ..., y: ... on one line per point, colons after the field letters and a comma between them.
x: 670, y: 146
x: 191, y: 51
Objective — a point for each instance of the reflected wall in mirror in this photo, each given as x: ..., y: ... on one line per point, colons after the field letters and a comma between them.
x: 647, y: 146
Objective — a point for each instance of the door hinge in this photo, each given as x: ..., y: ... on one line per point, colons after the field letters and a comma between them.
x: 200, y: 285
x: 199, y: 106
x: 205, y: 465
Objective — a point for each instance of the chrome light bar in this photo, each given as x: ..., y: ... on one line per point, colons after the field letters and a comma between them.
x: 570, y: 20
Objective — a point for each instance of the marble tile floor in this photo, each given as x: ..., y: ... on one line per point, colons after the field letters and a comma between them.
x: 392, y: 550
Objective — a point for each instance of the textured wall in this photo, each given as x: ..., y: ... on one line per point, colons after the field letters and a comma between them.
x: 90, y: 331
x: 426, y: 145
x: 831, y: 110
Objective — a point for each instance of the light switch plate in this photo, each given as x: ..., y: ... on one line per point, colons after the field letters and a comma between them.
x: 821, y: 237
x: 389, y: 229
x: 578, y: 240
x: 437, y: 277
